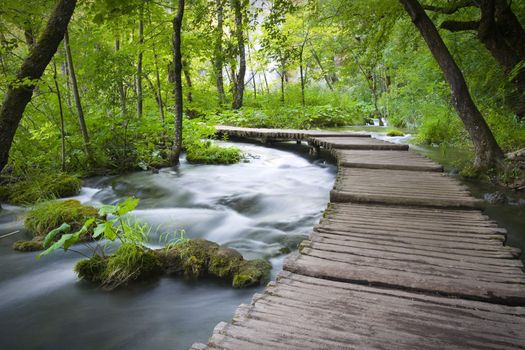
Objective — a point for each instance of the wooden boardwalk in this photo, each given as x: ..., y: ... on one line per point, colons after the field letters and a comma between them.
x: 403, y: 259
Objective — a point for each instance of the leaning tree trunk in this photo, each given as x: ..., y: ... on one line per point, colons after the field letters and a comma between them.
x: 488, y: 153
x: 239, y: 79
x: 76, y: 96
x: 18, y: 96
x: 219, y: 55
x: 177, y: 79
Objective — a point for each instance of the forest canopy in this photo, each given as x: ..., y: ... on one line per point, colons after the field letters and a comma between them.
x: 108, y: 98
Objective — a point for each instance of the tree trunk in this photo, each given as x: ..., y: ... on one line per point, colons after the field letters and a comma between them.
x: 62, y: 128
x: 239, y: 79
x: 121, y: 92
x: 302, y: 77
x: 159, y: 87
x: 76, y: 96
x: 219, y: 55
x: 488, y: 153
x: 187, y: 77
x: 318, y: 60
x: 17, y: 97
x: 177, y: 78
x: 139, y: 62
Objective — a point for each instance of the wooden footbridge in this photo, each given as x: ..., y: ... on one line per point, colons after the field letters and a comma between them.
x: 403, y: 259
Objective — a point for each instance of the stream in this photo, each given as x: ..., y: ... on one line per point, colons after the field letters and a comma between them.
x: 258, y: 207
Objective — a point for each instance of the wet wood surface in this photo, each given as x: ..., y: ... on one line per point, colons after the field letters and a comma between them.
x: 403, y: 258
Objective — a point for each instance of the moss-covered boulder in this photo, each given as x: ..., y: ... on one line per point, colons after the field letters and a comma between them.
x: 130, y: 262
x: 40, y: 188
x: 197, y: 258
x: 251, y: 273
x: 394, y: 132
x: 44, y: 217
x: 225, y: 262
x: 210, y: 153
x: 29, y: 246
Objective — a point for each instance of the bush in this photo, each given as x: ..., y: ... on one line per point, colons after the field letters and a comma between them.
x: 395, y: 132
x: 47, y: 216
x: 206, y: 152
x: 41, y: 188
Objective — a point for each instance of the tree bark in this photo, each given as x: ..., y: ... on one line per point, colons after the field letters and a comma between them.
x: 488, y: 152
x: 219, y: 55
x: 502, y: 34
x: 177, y: 86
x: 62, y: 128
x: 239, y: 79
x: 159, y: 87
x: 76, y: 96
x: 139, y: 63
x: 121, y: 92
x: 18, y: 96
x: 187, y: 77
x: 318, y: 60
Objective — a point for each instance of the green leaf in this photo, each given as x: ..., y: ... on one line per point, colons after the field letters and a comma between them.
x: 107, y: 209
x: 100, y: 229
x: 50, y: 237
x: 57, y: 245
x: 128, y: 205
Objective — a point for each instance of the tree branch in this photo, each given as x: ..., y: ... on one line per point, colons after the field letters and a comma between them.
x: 453, y: 8
x: 458, y: 26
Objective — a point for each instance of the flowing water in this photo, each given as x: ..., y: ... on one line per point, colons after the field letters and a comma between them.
x: 257, y: 207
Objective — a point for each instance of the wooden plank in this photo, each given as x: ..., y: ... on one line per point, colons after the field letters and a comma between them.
x: 401, y: 187
x: 396, y: 160
x: 460, y: 286
x: 301, y: 312
x: 356, y: 143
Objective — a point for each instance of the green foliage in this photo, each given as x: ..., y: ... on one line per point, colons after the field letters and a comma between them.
x: 47, y: 216
x: 40, y: 188
x: 394, y: 132
x: 210, y: 153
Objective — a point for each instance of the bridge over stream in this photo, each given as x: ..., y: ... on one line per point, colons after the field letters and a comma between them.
x: 403, y: 258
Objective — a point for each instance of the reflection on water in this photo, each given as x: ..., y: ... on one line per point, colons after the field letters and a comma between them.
x: 257, y: 207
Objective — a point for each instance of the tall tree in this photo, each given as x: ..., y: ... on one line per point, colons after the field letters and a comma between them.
x: 219, y: 54
x: 177, y: 83
x: 139, y: 62
x: 488, y: 152
x: 76, y: 96
x: 19, y: 94
x: 239, y: 7
x: 501, y: 33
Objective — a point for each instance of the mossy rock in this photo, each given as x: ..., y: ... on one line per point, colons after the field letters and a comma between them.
x: 129, y: 263
x: 395, y: 132
x: 92, y: 269
x: 28, y: 246
x: 47, y: 216
x: 225, y: 262
x: 45, y: 187
x: 195, y: 256
x: 209, y: 153
x: 251, y: 273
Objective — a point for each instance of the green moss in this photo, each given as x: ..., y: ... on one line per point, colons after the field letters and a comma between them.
x: 209, y: 153
x: 92, y: 269
x: 195, y: 255
x: 395, y: 132
x: 42, y: 188
x: 47, y: 216
x: 129, y: 263
x: 28, y: 246
x: 225, y: 263
x: 251, y: 273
